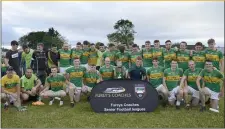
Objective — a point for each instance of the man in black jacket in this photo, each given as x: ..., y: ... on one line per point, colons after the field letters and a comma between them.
x: 39, y: 62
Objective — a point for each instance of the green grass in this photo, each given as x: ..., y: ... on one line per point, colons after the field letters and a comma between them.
x: 82, y: 116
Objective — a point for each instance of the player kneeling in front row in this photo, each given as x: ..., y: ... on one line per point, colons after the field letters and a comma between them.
x: 10, y: 89
x: 30, y: 85
x: 211, y: 79
x: 91, y: 78
x: 170, y: 81
x: 56, y: 82
x: 155, y: 78
x: 75, y: 76
x: 190, y: 87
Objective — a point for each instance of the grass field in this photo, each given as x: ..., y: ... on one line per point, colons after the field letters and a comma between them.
x: 82, y: 116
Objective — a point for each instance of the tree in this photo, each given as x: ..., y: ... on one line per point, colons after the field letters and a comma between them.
x: 176, y: 45
x: 50, y: 37
x: 124, y: 32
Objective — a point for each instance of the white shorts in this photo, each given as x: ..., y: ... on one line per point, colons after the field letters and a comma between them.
x: 173, y: 94
x: 160, y: 87
x: 213, y: 94
x: 193, y: 92
x: 63, y: 69
x: 86, y: 89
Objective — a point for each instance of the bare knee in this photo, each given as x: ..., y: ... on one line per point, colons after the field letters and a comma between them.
x: 25, y: 96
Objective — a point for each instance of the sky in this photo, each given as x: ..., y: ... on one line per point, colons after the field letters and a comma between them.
x: 92, y: 21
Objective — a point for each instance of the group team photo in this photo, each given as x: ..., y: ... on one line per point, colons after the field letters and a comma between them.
x: 59, y: 72
x: 114, y: 64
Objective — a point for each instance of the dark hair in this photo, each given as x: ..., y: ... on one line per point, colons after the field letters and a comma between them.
x: 174, y: 60
x: 53, y: 66
x: 85, y: 42
x: 198, y: 44
x: 211, y: 41
x: 75, y: 58
x: 184, y: 42
x: 24, y: 46
x: 111, y: 45
x: 121, y: 48
x: 156, y: 41
x: 40, y: 44
x: 14, y: 42
x: 101, y: 44
x: 167, y: 41
x: 134, y: 45
x: 53, y: 45
x: 155, y: 58
x: 92, y: 44
x: 139, y: 58
x: 92, y: 65
x: 147, y: 41
x: 29, y: 68
x: 79, y: 43
x: 208, y: 61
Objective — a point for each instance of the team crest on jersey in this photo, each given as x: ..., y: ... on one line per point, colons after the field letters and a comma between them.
x: 140, y: 91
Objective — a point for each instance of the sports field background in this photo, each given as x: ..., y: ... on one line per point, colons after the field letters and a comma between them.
x: 82, y: 116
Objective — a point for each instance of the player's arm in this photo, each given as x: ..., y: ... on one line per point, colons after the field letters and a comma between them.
x: 222, y: 65
x: 46, y: 87
x: 183, y: 81
x: 164, y: 82
x: 198, y: 82
x: 6, y: 60
x: 144, y: 74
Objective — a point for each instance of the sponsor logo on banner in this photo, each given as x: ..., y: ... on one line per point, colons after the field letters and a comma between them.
x: 115, y: 90
x: 140, y: 91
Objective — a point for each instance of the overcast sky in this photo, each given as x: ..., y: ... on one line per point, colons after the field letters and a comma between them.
x: 92, y: 21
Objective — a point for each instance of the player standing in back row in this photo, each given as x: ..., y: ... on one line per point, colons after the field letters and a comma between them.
x: 183, y: 56
x: 64, y: 58
x: 147, y: 55
x: 215, y: 55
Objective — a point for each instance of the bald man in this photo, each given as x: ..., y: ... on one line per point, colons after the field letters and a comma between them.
x: 190, y: 87
x: 107, y: 71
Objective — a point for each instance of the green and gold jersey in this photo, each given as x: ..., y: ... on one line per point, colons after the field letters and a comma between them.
x: 84, y: 56
x: 65, y: 57
x: 124, y: 58
x: 107, y: 73
x: 111, y: 55
x: 147, y: 57
x: 76, y: 75
x: 182, y: 59
x: 93, y: 57
x: 168, y: 56
x: 155, y: 76
x: 215, y: 56
x: 9, y: 84
x: 172, y: 77
x: 56, y: 83
x: 133, y: 57
x: 76, y: 53
x: 199, y: 59
x: 212, y: 79
x: 91, y: 79
x: 159, y: 54
x: 192, y: 77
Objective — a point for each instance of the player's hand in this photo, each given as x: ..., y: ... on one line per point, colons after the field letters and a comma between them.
x: 221, y: 94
